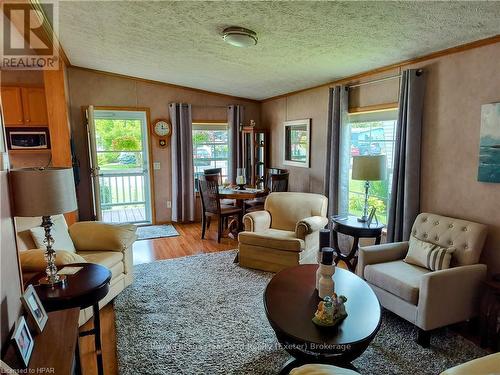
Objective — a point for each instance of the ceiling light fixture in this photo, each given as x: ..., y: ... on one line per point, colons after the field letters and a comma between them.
x: 239, y: 36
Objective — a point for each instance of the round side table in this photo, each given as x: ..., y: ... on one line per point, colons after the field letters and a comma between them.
x: 352, y: 227
x: 290, y: 301
x: 83, y: 289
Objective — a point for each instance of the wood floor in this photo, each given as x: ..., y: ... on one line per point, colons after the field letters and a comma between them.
x: 188, y: 243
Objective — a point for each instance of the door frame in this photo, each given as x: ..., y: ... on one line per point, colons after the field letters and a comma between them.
x: 150, y: 150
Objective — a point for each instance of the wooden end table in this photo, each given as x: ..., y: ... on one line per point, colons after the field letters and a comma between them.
x: 56, y: 348
x: 489, y: 314
x: 290, y: 301
x: 83, y: 289
x: 352, y: 227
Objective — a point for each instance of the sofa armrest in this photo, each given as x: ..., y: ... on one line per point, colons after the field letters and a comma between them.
x: 449, y: 296
x: 257, y: 221
x: 309, y: 225
x: 34, y: 260
x: 97, y: 236
x: 383, y: 253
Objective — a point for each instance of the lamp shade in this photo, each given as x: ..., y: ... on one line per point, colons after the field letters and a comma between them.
x: 42, y: 192
x: 369, y: 168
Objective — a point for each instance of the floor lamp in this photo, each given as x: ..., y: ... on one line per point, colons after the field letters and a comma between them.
x: 368, y: 168
x: 44, y: 192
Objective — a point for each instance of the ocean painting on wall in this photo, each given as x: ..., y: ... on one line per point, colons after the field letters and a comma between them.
x: 489, y: 145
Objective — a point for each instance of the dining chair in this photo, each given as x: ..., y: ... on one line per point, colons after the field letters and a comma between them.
x: 274, y: 182
x: 208, y: 186
x: 277, y: 182
x: 218, y: 171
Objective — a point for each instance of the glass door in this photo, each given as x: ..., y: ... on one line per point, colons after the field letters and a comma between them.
x: 120, y: 165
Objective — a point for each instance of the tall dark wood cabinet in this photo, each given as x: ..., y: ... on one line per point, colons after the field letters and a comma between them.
x: 255, y: 155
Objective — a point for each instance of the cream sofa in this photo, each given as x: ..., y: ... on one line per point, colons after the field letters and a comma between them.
x: 429, y: 299
x: 321, y: 369
x: 488, y: 365
x: 285, y: 234
x: 107, y: 244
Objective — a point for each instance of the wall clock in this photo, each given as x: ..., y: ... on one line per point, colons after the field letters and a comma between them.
x: 162, y: 128
x: 162, y: 142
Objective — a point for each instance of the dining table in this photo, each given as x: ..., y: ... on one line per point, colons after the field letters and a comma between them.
x: 239, y: 196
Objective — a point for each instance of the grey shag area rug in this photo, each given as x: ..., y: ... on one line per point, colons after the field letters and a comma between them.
x: 204, y: 314
x: 156, y: 231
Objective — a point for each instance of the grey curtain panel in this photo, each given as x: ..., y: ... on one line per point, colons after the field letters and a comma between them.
x: 335, y: 174
x: 183, y: 198
x: 235, y: 116
x: 405, y: 194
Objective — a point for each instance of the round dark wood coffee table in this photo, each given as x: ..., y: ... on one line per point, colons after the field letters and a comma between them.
x: 290, y: 301
x: 83, y: 289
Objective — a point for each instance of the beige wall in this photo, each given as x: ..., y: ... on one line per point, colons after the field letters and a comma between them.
x: 92, y: 88
x: 10, y: 283
x: 456, y: 87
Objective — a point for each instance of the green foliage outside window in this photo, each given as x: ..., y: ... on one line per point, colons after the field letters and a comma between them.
x: 371, y: 138
x: 116, y: 135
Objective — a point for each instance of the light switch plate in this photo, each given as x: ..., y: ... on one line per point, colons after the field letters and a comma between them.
x: 156, y: 165
x: 169, y: 204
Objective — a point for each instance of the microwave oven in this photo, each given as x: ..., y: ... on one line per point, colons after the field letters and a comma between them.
x: 28, y: 138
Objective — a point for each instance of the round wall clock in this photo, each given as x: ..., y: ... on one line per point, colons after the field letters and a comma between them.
x: 162, y: 128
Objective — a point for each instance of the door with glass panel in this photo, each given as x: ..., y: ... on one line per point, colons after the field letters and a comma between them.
x: 120, y: 165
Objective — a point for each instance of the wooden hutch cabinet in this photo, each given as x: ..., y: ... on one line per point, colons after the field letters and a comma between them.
x: 255, y: 150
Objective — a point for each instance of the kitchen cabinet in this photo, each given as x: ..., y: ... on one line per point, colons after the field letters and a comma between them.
x: 12, y: 106
x: 24, y: 106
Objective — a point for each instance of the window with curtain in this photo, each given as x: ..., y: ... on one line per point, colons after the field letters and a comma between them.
x: 370, y: 134
x: 210, y: 148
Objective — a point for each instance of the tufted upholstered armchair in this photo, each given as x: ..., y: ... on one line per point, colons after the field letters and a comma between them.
x: 429, y: 299
x: 285, y: 234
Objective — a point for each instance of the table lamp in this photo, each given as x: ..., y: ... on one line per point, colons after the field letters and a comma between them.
x: 368, y: 168
x: 44, y: 192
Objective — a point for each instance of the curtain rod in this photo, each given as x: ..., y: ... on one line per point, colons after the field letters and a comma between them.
x: 373, y: 81
x: 209, y: 106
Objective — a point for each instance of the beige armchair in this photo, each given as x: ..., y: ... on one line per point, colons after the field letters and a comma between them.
x: 429, y: 299
x: 109, y: 245
x: 285, y: 234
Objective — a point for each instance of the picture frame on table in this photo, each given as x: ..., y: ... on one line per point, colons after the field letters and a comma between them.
x: 23, y: 341
x: 36, y: 312
x: 372, y: 216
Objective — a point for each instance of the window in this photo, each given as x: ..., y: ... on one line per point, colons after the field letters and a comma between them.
x: 210, y: 149
x: 371, y: 134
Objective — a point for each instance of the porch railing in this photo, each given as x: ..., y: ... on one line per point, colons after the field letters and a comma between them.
x: 121, y: 189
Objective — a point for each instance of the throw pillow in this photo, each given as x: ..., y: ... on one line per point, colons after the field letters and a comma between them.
x: 428, y: 255
x: 60, y: 234
x: 34, y: 260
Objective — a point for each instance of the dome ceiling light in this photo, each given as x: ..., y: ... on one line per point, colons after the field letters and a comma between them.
x: 239, y: 36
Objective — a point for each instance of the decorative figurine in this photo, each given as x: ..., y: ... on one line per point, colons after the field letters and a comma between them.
x: 331, y: 311
x: 326, y: 269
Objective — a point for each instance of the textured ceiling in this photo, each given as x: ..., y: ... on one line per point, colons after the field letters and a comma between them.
x: 301, y: 44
